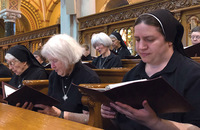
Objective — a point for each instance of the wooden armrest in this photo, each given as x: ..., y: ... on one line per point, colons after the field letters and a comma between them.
x: 40, y: 85
x: 5, y: 79
x: 95, y: 118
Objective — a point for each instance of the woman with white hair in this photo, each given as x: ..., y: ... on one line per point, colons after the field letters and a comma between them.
x: 102, y: 42
x: 64, y: 54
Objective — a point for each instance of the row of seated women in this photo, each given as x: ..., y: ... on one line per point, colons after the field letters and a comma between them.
x: 158, y: 42
x: 107, y: 59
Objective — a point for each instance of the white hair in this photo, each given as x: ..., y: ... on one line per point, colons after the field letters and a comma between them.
x: 113, y: 36
x: 64, y: 48
x: 101, y: 38
x: 9, y: 56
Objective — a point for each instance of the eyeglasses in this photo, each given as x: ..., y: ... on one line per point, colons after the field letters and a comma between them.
x: 197, y: 37
x: 11, y: 63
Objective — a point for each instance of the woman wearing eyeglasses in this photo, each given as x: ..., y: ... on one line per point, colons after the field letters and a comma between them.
x: 24, y: 66
x: 195, y: 35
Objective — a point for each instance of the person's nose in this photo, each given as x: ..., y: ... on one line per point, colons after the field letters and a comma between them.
x: 142, y: 45
x: 97, y: 47
x: 52, y: 65
x: 10, y: 67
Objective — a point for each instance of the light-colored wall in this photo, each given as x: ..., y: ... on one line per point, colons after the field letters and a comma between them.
x: 87, y: 7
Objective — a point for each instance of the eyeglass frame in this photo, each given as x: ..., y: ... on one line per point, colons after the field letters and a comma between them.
x: 12, y: 63
x: 195, y: 36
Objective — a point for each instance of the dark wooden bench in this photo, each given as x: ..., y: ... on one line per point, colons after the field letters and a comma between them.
x: 111, y: 75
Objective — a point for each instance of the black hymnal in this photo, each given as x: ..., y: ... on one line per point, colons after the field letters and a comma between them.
x: 159, y: 94
x: 193, y: 50
x: 25, y: 94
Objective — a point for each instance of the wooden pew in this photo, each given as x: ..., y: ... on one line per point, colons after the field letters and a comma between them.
x: 95, y: 118
x: 111, y: 75
x: 114, y: 75
x: 40, y: 85
x: 17, y: 118
x: 197, y: 59
x: 126, y: 63
x: 130, y: 63
x: 48, y: 70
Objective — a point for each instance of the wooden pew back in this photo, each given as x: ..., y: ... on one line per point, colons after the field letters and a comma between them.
x: 197, y: 59
x: 40, y: 85
x: 114, y: 75
x: 111, y: 75
x: 130, y: 63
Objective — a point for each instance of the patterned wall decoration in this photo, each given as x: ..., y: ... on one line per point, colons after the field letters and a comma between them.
x: 13, y: 4
x: 3, y: 4
x: 133, y: 11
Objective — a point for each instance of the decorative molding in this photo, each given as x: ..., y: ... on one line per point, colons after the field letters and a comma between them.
x: 33, y: 12
x: 10, y: 15
x: 13, y: 4
x: 30, y: 36
x: 133, y: 11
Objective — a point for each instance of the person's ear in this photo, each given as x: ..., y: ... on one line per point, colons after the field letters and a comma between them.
x: 25, y: 63
x: 170, y: 43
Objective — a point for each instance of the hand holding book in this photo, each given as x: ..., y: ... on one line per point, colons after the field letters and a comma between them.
x: 25, y: 94
x: 159, y: 94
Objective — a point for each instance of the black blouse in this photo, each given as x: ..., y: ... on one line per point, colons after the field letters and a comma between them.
x: 81, y: 74
x: 183, y: 74
x: 32, y: 73
x: 108, y: 62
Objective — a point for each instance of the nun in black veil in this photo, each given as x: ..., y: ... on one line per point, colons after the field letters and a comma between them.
x: 119, y: 47
x: 158, y: 42
x: 24, y: 66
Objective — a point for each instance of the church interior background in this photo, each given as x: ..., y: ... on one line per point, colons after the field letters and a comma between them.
x: 37, y: 14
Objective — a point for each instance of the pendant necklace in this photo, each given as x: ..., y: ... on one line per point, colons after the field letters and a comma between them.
x: 101, y: 65
x: 65, y: 97
x: 20, y: 84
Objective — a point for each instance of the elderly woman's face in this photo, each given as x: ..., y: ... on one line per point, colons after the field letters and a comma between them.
x: 115, y: 43
x: 58, y: 66
x: 101, y: 48
x: 17, y: 67
x: 150, y: 44
x: 38, y: 58
x: 195, y: 37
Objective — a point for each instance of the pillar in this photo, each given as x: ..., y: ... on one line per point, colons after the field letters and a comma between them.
x: 9, y: 17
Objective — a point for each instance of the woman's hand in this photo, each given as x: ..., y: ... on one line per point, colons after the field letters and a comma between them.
x: 26, y: 105
x: 145, y: 116
x: 107, y: 112
x: 53, y: 111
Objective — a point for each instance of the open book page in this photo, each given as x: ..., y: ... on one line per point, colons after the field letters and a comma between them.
x: 8, y: 90
x: 111, y: 86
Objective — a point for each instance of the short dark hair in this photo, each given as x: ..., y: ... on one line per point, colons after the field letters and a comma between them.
x: 196, y: 29
x: 85, y: 46
x: 38, y: 53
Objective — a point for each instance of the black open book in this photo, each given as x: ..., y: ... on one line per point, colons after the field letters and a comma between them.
x: 193, y: 50
x: 159, y: 94
x: 25, y: 94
